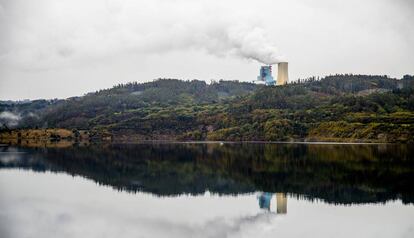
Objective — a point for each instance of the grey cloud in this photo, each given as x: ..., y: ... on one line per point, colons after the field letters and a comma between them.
x: 76, y: 46
x: 114, y: 27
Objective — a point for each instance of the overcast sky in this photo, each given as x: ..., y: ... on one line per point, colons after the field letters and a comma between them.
x: 63, y: 48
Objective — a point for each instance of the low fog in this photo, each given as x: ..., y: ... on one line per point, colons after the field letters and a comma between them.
x: 9, y: 119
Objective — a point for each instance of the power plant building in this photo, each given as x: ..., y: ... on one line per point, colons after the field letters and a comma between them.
x: 266, y: 74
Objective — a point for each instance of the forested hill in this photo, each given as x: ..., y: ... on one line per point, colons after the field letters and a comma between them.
x: 334, y: 108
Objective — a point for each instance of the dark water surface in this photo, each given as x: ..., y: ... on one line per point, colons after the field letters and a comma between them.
x: 207, y: 190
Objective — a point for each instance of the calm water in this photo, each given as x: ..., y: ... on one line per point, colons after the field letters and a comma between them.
x: 207, y: 190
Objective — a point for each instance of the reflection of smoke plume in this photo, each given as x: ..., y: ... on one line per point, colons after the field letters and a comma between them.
x: 244, y: 226
x: 250, y: 226
x: 9, y: 118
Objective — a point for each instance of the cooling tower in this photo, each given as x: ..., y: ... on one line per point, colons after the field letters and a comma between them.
x: 282, y: 73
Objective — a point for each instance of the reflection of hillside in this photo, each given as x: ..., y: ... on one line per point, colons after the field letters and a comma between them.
x: 44, y: 143
x: 335, y: 173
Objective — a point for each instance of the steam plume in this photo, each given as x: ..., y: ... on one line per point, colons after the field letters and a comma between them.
x: 101, y: 30
x: 251, y: 44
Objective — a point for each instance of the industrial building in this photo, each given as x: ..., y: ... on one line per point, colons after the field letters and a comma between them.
x: 266, y: 74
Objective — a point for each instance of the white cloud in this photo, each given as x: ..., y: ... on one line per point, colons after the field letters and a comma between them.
x: 80, y: 45
x: 50, y: 34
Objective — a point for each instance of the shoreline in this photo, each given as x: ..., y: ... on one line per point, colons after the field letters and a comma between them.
x: 70, y: 142
x: 251, y: 142
x: 65, y: 137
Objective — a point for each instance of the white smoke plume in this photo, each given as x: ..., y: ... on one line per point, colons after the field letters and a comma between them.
x: 61, y: 32
x: 250, y: 43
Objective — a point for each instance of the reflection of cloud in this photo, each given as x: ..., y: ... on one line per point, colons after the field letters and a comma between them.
x: 248, y: 226
x: 50, y: 206
x: 409, y: 232
x: 77, y: 225
x: 63, y: 218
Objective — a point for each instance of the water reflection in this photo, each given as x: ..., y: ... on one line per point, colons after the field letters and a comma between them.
x: 58, y: 205
x: 340, y: 174
x: 281, y: 201
x: 265, y: 200
x: 207, y: 190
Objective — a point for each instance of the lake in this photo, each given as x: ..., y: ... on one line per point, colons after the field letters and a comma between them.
x: 207, y: 190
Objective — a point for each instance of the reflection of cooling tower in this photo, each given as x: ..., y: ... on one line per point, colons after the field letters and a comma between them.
x: 282, y: 73
x: 281, y: 203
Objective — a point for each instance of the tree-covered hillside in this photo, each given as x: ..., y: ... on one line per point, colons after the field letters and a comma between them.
x: 334, y: 108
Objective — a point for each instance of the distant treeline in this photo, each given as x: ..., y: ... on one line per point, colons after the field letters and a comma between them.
x: 334, y: 108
